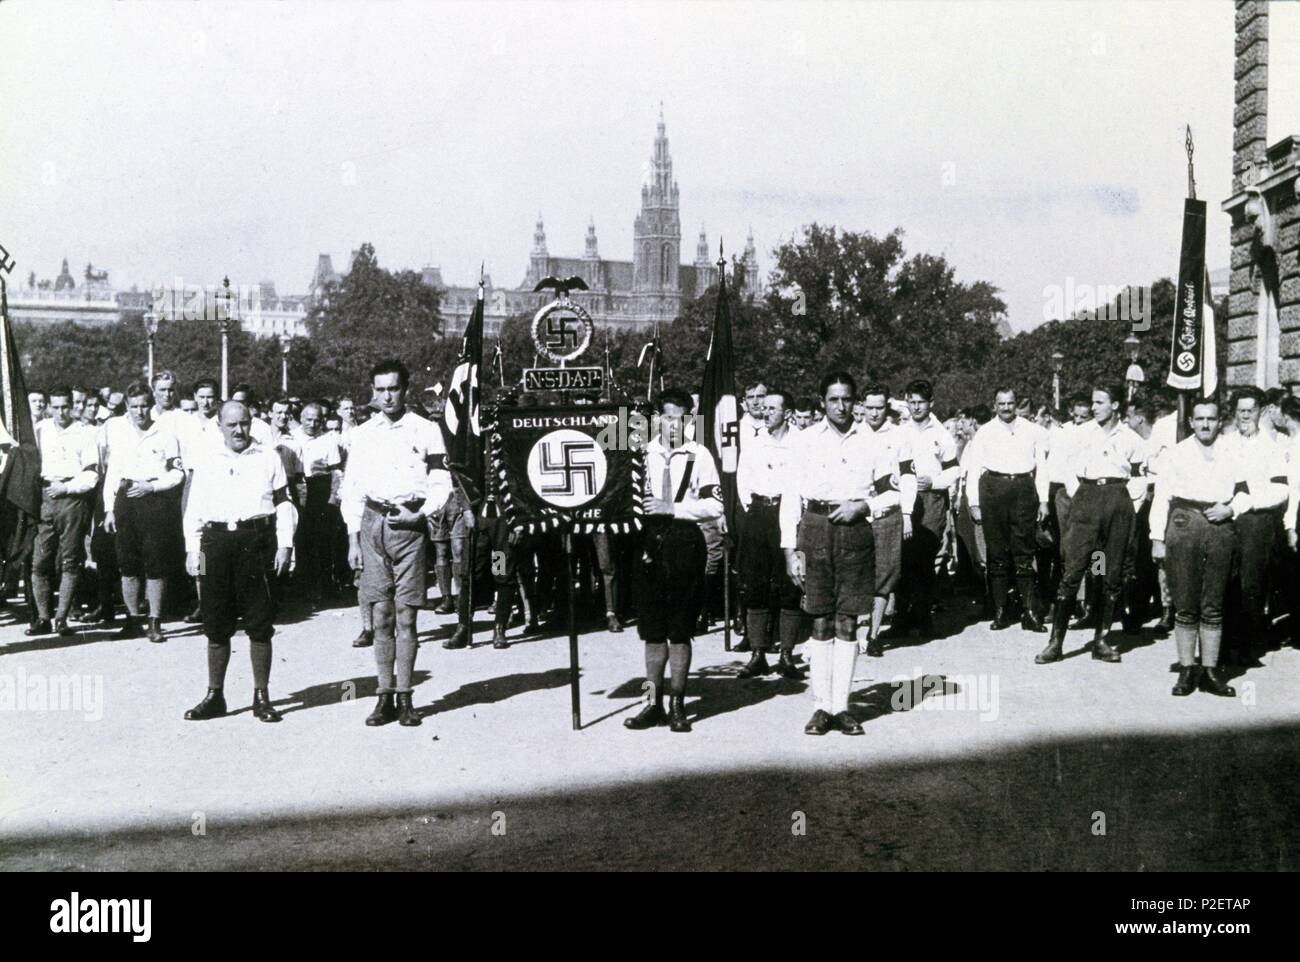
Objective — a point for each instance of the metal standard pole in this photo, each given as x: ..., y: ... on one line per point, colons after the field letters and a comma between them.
x: 726, y: 595
x: 575, y: 704
x: 225, y: 363
x: 151, y: 359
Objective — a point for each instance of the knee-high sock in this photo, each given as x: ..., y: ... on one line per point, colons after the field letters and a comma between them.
x: 845, y: 661
x: 153, y: 591
x: 1185, y: 642
x: 131, y: 595
x: 505, y: 603
x: 68, y: 592
x: 611, y: 594
x: 218, y: 659
x: 404, y: 666
x: 385, y: 658
x: 679, y: 661
x: 791, y: 628
x: 259, y: 652
x: 1211, y: 642
x: 878, y: 604
x: 42, y: 592
x: 820, y: 667
x: 443, y: 572
x: 756, y: 628
x: 656, y: 659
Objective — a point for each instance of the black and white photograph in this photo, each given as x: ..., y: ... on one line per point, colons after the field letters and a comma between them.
x: 651, y: 436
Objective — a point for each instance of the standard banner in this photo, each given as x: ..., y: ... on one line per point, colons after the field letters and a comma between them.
x: 1187, y: 352
x: 575, y: 465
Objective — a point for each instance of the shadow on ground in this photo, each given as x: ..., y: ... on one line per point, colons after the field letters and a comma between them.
x: 1219, y: 801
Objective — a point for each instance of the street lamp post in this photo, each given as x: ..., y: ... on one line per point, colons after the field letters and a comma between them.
x: 151, y: 331
x: 1135, y: 375
x: 1058, y: 362
x: 284, y: 363
x: 224, y: 318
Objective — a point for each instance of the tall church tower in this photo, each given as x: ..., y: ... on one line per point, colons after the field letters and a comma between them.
x: 657, y: 232
x: 539, y: 259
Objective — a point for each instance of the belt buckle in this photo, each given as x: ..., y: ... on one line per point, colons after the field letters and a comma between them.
x: 232, y: 526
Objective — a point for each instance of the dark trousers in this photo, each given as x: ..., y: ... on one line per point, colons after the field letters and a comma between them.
x: 315, y: 538
x: 764, y: 581
x: 1198, y: 561
x: 671, y: 579
x: 929, y: 517
x: 1101, y: 518
x: 61, y: 535
x: 1256, y: 534
x: 236, y: 585
x: 1009, y: 512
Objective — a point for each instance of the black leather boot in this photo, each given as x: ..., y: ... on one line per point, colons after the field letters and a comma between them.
x: 1030, y: 619
x: 385, y: 711
x: 1101, y: 651
x: 262, y: 709
x: 155, y: 632
x: 1213, y: 683
x: 651, y: 716
x: 407, y: 716
x: 212, y: 706
x: 1001, y: 616
x: 875, y: 647
x: 499, y: 637
x: 365, y: 639
x: 41, y: 626
x: 756, y: 666
x: 1055, y: 641
x: 677, y: 720
x: 1130, y: 618
x: 1188, y: 675
x: 130, y: 629
x: 612, y: 623
x: 458, y: 639
x: 786, y: 668
x: 1166, y: 623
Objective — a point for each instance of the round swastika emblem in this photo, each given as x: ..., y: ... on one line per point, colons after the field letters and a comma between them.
x: 562, y: 331
x: 567, y: 468
x: 1186, y: 361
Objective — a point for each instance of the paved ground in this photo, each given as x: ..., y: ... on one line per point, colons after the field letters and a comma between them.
x: 985, y: 762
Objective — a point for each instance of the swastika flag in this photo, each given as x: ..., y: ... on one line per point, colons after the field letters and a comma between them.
x: 719, y: 413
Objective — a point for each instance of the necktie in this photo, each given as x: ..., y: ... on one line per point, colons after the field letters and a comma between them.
x: 667, y: 488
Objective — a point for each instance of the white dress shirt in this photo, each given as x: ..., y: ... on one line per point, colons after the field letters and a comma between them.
x: 1114, y: 453
x: 829, y: 465
x: 229, y: 487
x: 1060, y: 452
x: 750, y: 429
x: 934, y: 451
x: 1015, y: 447
x: 394, y: 461
x: 899, y: 471
x: 70, y: 455
x: 697, y: 497
x: 763, y: 464
x: 1264, y: 463
x: 321, y: 454
x: 152, y: 455
x: 1196, y: 472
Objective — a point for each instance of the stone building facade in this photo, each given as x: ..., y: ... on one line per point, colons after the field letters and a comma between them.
x: 1264, y: 288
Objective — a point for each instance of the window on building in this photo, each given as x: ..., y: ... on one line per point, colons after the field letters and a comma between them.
x: 666, y: 264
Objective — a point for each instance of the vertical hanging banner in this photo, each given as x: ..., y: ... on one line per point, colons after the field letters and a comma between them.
x: 719, y: 411
x: 579, y: 465
x: 1187, y: 355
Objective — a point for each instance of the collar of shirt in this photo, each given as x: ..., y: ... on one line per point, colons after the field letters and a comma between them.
x: 656, y: 447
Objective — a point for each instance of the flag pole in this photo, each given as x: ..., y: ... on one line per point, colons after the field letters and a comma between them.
x: 575, y: 703
x: 471, y: 542
x: 1184, y: 409
x: 726, y: 545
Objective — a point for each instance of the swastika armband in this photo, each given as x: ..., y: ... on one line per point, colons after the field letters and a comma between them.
x: 1135, y: 469
x: 279, y: 496
x: 175, y: 464
x: 906, y: 467
x: 1241, y: 487
x: 1279, y: 479
x: 436, y: 461
x: 711, y: 491
x: 882, y: 485
x: 945, y: 465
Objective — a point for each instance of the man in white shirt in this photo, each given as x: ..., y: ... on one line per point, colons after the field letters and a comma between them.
x: 753, y: 419
x: 682, y: 491
x: 765, y: 586
x: 1006, y: 471
x: 1103, y: 479
x: 935, y: 460
x: 396, y: 477
x: 143, y: 469
x: 1198, y: 491
x: 238, y: 523
x: 1163, y: 437
x: 69, y: 473
x: 827, y: 503
x: 261, y: 431
x: 319, y: 520
x: 891, y: 528
x: 1258, y: 523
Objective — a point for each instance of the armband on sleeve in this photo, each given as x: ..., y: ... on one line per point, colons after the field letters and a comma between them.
x: 279, y: 496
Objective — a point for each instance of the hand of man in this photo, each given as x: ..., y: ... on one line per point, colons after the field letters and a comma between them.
x: 847, y: 512
x: 924, y: 482
x: 794, y: 566
x: 404, y: 517
x: 139, y: 489
x: 907, y: 526
x: 1158, y: 549
x: 282, y: 560
x: 354, y: 552
x: 110, y: 523
x: 975, y: 514
x: 193, y: 564
x: 1042, y: 512
x: 1291, y: 539
x: 469, y: 518
x: 1217, y: 513
x: 56, y: 489
x: 658, y: 506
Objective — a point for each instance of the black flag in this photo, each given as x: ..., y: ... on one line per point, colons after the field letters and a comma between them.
x: 461, y: 428
x: 20, y: 461
x: 718, y: 410
x: 1192, y: 361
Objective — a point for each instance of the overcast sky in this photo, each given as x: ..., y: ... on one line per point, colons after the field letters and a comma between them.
x: 1030, y: 143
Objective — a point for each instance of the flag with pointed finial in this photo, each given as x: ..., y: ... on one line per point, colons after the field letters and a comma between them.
x: 719, y: 413
x: 461, y: 427
x: 1193, y: 363
x: 20, y: 460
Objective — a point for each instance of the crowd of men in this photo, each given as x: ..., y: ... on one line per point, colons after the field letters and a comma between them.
x: 855, y: 509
